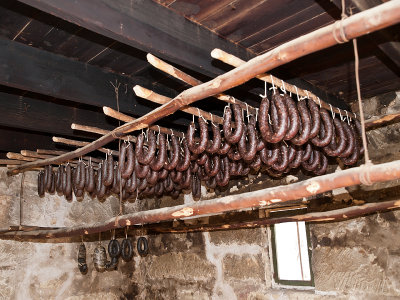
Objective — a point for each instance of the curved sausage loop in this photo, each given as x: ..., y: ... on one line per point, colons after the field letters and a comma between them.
x: 142, y: 155
x: 126, y: 250
x: 142, y: 246
x: 306, y: 153
x: 281, y: 164
x: 233, y: 154
x: 197, y: 148
x: 101, y: 189
x: 90, y: 182
x: 322, y: 166
x: 141, y: 171
x: 270, y: 156
x: 215, y: 144
x: 325, y: 131
x: 224, y: 148
x: 48, y: 174
x: 233, y: 138
x: 248, y: 150
x: 315, y: 119
x: 312, y: 164
x: 334, y: 149
x: 294, y: 118
x: 212, y: 171
x: 296, y: 162
x: 202, y: 159
x: 80, y: 175
x: 173, y: 160
x: 224, y: 174
x: 108, y: 170
x: 196, y: 187
x: 40, y: 184
x: 351, y: 141
x: 359, y: 137
x: 184, y: 161
x: 159, y: 161
x: 256, y: 163
x: 353, y: 158
x: 305, y: 126
x: 126, y: 160
x: 267, y: 133
x: 131, y: 183
x: 59, y: 183
x: 186, y: 179
x: 68, y: 182
x: 211, y: 183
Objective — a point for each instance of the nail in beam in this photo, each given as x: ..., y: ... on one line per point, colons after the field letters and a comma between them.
x: 257, y: 199
x: 365, y: 22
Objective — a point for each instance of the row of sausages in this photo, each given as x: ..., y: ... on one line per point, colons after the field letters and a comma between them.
x: 285, y: 135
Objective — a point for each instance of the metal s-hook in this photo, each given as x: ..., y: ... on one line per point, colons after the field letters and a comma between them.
x: 273, y: 85
x: 332, y: 112
x: 297, y: 93
x: 265, y: 91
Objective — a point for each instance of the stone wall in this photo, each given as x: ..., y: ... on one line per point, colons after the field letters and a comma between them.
x: 357, y: 259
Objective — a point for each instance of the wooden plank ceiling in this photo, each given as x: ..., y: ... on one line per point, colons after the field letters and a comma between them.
x: 56, y: 70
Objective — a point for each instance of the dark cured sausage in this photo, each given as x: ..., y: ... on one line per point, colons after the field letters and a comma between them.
x: 256, y: 163
x: 59, y: 185
x: 315, y: 119
x: 351, y: 141
x: 176, y: 177
x: 145, y: 157
x: 212, y: 171
x: 159, y: 162
x: 53, y: 184
x: 283, y: 161
x: 68, y: 183
x: 168, y: 184
x: 233, y: 154
x: 223, y: 178
x: 186, y: 179
x: 90, y: 181
x: 334, y: 149
x: 108, y: 171
x: 305, y: 127
x: 159, y: 189
x: 163, y: 174
x: 247, y: 152
x: 174, y: 155
x: 126, y: 161
x: 266, y: 131
x: 269, y: 156
x: 224, y: 149
x: 233, y: 138
x: 295, y: 163
x: 80, y: 176
x: 312, y: 164
x: 322, y: 166
x: 131, y: 183
x: 306, y: 153
x: 184, y: 161
x: 142, y: 184
x: 101, y: 189
x: 202, y: 160
x: 353, y: 158
x: 152, y: 177
x: 141, y: 170
x: 41, y: 184
x: 196, y: 187
x: 201, y: 146
x: 211, y: 183
x: 48, y: 172
x: 294, y: 118
x: 325, y: 131
x: 215, y: 144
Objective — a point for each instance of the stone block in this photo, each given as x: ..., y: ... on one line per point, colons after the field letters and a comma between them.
x: 240, y: 236
x: 243, y: 267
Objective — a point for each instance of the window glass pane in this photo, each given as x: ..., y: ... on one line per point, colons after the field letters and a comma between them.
x: 292, y: 251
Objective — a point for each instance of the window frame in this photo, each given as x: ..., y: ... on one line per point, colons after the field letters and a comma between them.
x: 291, y: 283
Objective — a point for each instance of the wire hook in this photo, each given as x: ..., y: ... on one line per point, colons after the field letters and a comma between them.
x: 273, y: 85
x: 265, y: 91
x: 332, y: 112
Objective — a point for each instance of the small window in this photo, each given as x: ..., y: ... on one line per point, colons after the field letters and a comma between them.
x: 291, y: 254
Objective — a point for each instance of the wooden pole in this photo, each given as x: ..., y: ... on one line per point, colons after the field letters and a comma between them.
x: 11, y: 162
x: 365, y: 22
x: 160, y: 99
x: 381, y: 121
x: 125, y: 118
x: 178, y: 74
x: 75, y: 143
x: 59, y: 152
x: 236, y: 62
x: 316, y: 217
x: 256, y: 199
x: 100, y: 131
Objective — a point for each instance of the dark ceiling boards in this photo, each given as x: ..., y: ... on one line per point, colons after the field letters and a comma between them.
x: 58, y: 70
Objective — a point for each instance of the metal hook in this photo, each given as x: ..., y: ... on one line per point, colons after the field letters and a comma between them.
x: 297, y: 92
x: 273, y: 85
x: 340, y: 114
x: 172, y: 132
x: 256, y: 113
x: 319, y: 102
x: 347, y: 115
x: 265, y: 91
x: 126, y: 231
x: 332, y: 112
x: 283, y: 88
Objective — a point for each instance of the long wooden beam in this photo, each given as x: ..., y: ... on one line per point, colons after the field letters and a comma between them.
x: 145, y: 25
x: 64, y: 78
x: 315, y: 217
x: 256, y: 199
x: 357, y: 25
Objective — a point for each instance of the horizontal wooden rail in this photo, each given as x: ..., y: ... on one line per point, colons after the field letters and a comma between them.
x: 257, y: 199
x: 365, y: 22
x: 76, y: 143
